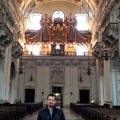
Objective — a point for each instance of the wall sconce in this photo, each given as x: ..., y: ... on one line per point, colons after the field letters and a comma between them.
x: 106, y: 54
x: 42, y: 93
x: 80, y: 79
x: 71, y: 93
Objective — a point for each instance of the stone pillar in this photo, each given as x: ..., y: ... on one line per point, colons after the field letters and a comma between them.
x: 16, y: 81
x: 115, y: 16
x: 21, y: 88
x: 6, y: 74
x: 114, y: 88
x: 101, y: 92
x: 12, y: 90
x: 1, y: 84
x: 111, y: 18
x: 119, y: 34
x: 107, y: 83
x: 1, y: 15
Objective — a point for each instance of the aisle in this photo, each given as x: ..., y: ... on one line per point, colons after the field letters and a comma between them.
x: 69, y: 115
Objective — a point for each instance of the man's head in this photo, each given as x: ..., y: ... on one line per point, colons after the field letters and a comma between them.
x: 51, y: 100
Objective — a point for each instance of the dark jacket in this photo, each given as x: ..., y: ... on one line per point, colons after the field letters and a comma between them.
x: 56, y: 115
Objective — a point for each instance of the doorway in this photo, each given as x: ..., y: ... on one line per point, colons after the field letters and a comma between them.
x: 29, y: 95
x: 57, y: 91
x: 84, y: 96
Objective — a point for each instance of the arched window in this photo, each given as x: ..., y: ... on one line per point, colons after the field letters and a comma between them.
x: 82, y: 22
x: 57, y: 14
x: 34, y: 21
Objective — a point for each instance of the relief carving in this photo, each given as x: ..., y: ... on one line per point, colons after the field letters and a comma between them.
x: 57, y: 76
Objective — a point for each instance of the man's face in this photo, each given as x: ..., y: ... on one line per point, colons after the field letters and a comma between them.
x: 51, y: 101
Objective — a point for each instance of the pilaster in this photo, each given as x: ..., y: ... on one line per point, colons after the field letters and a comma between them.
x: 107, y: 83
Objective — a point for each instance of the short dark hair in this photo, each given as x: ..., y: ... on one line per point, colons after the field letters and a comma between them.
x: 52, y: 95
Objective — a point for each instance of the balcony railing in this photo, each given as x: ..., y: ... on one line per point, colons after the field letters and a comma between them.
x: 48, y: 53
x: 110, y: 27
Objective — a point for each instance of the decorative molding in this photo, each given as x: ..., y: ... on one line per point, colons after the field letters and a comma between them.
x: 60, y: 62
x: 30, y: 86
x: 84, y: 87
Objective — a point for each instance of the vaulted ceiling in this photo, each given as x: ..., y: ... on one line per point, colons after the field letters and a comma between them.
x: 28, y: 6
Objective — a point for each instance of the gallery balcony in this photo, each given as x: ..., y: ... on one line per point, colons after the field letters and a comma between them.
x: 110, y: 35
x: 6, y: 36
x: 98, y: 50
x: 17, y: 50
x: 48, y: 53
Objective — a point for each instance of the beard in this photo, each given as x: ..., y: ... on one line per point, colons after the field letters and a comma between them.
x: 51, y: 105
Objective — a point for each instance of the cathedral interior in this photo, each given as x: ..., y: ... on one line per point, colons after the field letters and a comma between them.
x: 66, y: 47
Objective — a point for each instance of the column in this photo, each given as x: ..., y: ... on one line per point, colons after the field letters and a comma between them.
x: 115, y: 16
x: 119, y: 34
x: 114, y: 89
x: 107, y: 83
x: 6, y: 74
x: 16, y: 81
x: 101, y: 92
x: 111, y: 18
x: 1, y: 12
x: 21, y: 88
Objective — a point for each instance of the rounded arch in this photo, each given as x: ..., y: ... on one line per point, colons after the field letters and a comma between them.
x: 57, y: 14
x: 12, y: 71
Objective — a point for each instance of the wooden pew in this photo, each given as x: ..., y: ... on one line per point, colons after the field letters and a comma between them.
x: 12, y: 112
x: 76, y: 107
x: 30, y: 107
x: 100, y: 113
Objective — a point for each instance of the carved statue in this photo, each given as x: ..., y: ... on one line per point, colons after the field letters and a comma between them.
x: 45, y: 22
x: 71, y: 23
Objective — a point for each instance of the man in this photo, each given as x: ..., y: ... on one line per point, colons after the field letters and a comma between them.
x: 51, y: 112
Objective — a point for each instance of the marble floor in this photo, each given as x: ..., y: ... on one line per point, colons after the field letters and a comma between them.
x: 69, y: 115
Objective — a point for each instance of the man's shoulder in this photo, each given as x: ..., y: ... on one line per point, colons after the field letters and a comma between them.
x: 57, y: 109
x: 42, y: 110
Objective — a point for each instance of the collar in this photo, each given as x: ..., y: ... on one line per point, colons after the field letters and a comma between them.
x: 54, y: 108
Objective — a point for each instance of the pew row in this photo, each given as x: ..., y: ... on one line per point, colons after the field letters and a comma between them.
x: 91, y: 113
x: 30, y: 107
x: 77, y: 107
x: 12, y: 112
